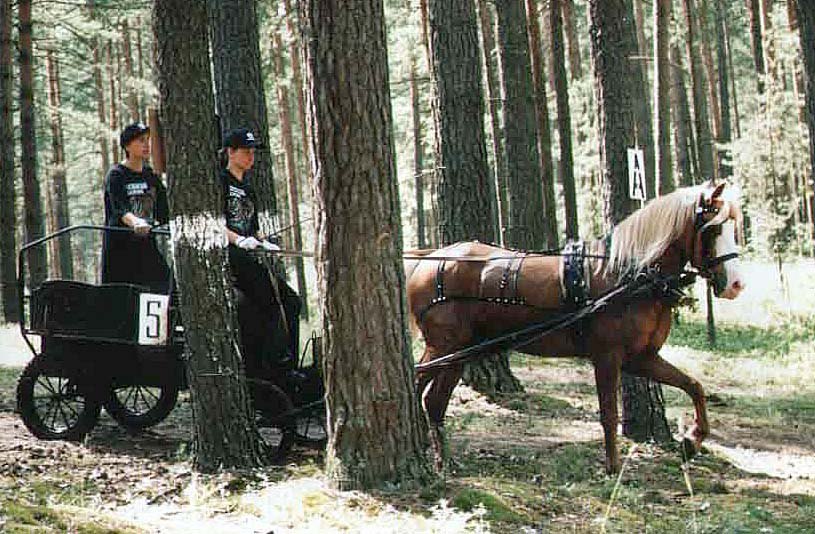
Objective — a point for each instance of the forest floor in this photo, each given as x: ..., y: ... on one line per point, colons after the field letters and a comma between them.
x: 530, y: 462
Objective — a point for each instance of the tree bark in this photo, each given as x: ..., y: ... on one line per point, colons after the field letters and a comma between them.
x: 418, y: 153
x: 291, y: 170
x: 58, y: 213
x: 806, y: 21
x: 239, y: 90
x: 34, y: 227
x: 494, y: 100
x: 525, y: 226
x: 464, y: 203
x: 662, y: 100
x: 613, y: 42
x: 572, y: 39
x: 711, y: 77
x: 756, y: 42
x: 732, y: 76
x: 296, y: 48
x: 765, y: 9
x: 99, y: 93
x: 8, y: 218
x: 683, y: 128
x: 798, y: 73
x: 465, y: 206
x: 538, y: 65
x: 725, y: 134
x: 374, y: 425
x: 225, y: 432
x: 704, y: 142
x: 131, y: 100
x: 114, y: 119
x: 564, y: 121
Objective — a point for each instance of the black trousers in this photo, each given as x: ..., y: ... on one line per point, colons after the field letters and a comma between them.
x: 268, y: 313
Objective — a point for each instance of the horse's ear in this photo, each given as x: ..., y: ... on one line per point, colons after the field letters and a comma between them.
x: 718, y: 191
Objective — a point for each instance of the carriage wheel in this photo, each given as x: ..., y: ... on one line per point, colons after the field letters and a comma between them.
x: 137, y: 407
x: 53, y: 406
x: 310, y: 428
x: 273, y: 409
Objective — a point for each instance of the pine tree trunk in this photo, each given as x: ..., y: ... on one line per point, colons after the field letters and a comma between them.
x: 726, y: 135
x: 225, y: 433
x: 564, y: 121
x: 683, y: 128
x: 8, y: 218
x: 374, y: 421
x: 418, y: 153
x: 798, y: 73
x: 494, y: 100
x: 140, y: 104
x: 131, y: 100
x: 704, y: 143
x: 239, y: 90
x: 572, y: 40
x: 296, y: 48
x: 58, y: 213
x: 732, y: 76
x: 99, y: 93
x: 711, y: 77
x: 538, y: 65
x: 756, y: 42
x: 662, y: 100
x: 114, y: 103
x: 765, y: 9
x: 34, y: 227
x: 463, y: 188
x: 291, y: 170
x: 806, y: 21
x: 613, y: 42
x: 525, y: 225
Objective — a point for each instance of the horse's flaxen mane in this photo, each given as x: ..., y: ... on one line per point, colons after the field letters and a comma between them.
x: 640, y: 239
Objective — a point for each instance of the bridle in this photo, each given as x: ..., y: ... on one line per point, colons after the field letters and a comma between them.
x: 701, y: 263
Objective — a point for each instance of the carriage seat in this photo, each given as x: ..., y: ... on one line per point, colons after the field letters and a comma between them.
x: 77, y: 309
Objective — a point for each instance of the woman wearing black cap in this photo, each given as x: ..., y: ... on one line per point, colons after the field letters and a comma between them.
x: 268, y: 309
x: 135, y: 198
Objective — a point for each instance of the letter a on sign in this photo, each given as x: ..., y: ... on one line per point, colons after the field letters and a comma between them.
x: 636, y: 174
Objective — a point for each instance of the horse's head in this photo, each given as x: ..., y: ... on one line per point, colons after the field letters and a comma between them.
x: 718, y: 235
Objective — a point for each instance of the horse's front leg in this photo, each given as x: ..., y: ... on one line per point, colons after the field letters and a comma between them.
x: 607, y: 377
x: 435, y: 395
x: 651, y: 365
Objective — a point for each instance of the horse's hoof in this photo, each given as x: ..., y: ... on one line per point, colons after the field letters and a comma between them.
x: 689, y: 448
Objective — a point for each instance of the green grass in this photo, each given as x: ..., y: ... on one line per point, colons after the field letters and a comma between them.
x: 750, y: 340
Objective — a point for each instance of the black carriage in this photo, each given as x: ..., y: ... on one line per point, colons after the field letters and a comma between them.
x: 120, y: 346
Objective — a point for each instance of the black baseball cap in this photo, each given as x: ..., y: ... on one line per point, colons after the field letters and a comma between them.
x: 132, y: 131
x: 241, y: 138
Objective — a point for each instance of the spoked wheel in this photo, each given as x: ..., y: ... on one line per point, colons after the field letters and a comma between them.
x: 137, y: 407
x: 310, y: 426
x: 54, y: 406
x: 273, y: 409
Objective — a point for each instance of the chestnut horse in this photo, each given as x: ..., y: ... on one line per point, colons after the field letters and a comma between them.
x: 468, y: 292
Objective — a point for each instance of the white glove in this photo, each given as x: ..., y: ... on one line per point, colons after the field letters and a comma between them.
x: 269, y: 246
x: 141, y: 227
x: 247, y: 243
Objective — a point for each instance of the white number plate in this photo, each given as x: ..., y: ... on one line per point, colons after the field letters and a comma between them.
x: 153, y: 318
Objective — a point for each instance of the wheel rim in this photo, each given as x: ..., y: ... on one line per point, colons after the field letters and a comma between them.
x: 57, y: 403
x: 138, y: 400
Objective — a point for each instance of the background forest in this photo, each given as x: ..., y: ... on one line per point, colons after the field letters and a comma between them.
x: 93, y: 71
x: 730, y: 102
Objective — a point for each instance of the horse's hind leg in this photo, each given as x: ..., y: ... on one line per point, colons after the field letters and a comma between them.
x: 652, y: 366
